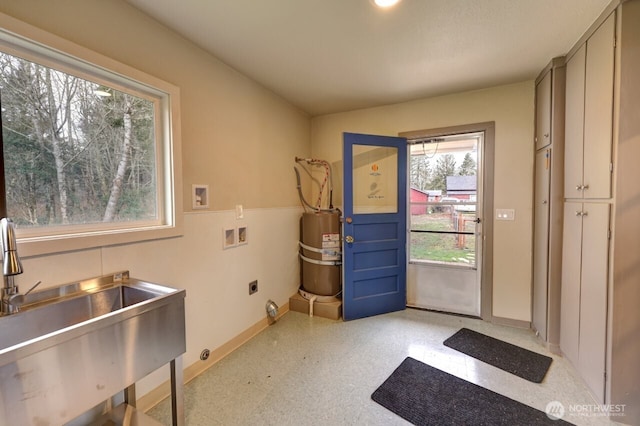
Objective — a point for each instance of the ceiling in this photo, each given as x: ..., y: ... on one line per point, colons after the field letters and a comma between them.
x: 328, y: 56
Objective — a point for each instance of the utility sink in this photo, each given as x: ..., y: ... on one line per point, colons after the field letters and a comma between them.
x: 74, y: 346
x: 50, y: 315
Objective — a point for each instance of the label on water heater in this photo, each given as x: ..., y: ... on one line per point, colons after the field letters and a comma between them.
x: 330, y: 246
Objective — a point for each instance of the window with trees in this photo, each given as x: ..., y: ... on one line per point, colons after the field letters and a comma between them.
x: 84, y: 150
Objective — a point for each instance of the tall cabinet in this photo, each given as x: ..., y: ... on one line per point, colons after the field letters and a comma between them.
x: 600, y: 296
x: 587, y: 191
x: 548, y: 202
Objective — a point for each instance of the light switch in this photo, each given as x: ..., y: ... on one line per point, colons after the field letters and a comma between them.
x: 505, y: 214
x: 239, y: 211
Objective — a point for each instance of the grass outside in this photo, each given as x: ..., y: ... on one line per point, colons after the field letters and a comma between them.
x: 448, y: 248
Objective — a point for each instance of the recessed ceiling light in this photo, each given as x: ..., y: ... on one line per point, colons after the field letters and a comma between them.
x: 385, y: 3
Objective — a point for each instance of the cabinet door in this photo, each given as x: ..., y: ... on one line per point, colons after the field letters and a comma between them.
x: 541, y: 242
x: 543, y: 111
x: 598, y: 111
x: 593, y: 296
x: 570, y: 292
x: 574, y: 124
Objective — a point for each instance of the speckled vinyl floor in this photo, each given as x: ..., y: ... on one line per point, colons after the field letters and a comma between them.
x: 315, y: 371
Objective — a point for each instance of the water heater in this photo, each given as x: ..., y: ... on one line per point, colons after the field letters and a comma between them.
x: 320, y: 253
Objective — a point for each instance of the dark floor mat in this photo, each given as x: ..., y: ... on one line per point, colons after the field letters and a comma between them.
x: 424, y: 395
x: 511, y: 358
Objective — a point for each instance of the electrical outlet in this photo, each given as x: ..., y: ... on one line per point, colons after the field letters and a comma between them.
x: 505, y: 214
x: 253, y: 287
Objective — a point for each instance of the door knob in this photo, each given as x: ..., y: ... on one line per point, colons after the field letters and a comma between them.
x: 349, y: 239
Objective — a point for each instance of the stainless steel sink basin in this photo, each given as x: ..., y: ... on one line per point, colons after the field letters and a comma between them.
x: 74, y: 346
x: 45, y: 315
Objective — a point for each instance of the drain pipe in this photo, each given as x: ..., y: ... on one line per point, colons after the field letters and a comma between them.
x: 311, y: 302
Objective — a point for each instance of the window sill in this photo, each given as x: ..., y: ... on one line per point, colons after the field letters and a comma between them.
x: 35, y: 246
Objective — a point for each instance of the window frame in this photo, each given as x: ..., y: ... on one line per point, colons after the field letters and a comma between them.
x: 28, y: 42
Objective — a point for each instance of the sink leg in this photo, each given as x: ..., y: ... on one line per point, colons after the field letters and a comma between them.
x: 130, y: 395
x: 177, y: 392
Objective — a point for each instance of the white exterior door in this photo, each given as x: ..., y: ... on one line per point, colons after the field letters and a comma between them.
x: 445, y: 225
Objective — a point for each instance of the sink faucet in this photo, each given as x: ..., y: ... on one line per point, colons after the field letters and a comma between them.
x: 11, y: 266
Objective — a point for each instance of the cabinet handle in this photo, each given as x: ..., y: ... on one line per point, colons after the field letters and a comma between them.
x: 546, y: 135
x: 544, y: 201
x: 585, y: 187
x: 585, y: 214
x: 579, y: 187
x: 578, y: 213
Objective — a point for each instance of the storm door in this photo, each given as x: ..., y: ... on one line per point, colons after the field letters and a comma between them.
x: 445, y: 214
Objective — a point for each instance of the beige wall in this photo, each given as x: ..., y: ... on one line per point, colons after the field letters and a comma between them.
x: 511, y: 108
x: 237, y: 137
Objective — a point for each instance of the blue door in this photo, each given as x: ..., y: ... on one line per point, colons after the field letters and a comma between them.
x: 374, y: 225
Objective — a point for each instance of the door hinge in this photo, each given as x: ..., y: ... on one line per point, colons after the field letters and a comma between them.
x: 608, y: 234
x: 611, y: 167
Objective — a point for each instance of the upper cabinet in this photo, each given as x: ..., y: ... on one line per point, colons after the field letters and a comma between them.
x: 589, y: 116
x: 543, y: 111
x: 574, y: 125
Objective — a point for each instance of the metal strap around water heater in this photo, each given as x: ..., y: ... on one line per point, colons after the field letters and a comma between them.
x: 325, y: 251
x: 320, y: 262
